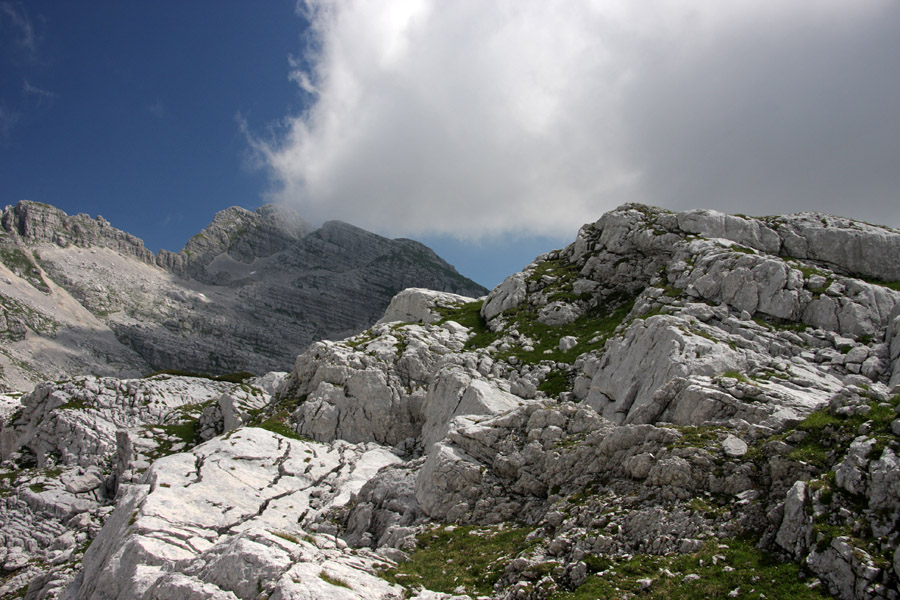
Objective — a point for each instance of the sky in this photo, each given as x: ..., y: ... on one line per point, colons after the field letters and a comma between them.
x: 489, y: 130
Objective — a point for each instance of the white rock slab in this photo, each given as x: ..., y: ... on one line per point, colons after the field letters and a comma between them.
x: 231, y: 514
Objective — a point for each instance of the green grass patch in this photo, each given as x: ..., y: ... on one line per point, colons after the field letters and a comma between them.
x: 699, y: 436
x: 9, y: 478
x: 362, y: 338
x: 808, y: 270
x: 736, y: 375
x: 53, y: 472
x: 467, y: 315
x: 589, y: 491
x: 185, y: 432
x: 76, y: 404
x: 560, y: 270
x: 591, y: 330
x: 558, y: 276
x: 20, y: 262
x: 468, y: 557
x: 811, y: 271
x: 19, y: 593
x: 829, y: 435
x: 555, y: 383
x: 774, y: 324
x: 333, y: 580
x: 658, y: 310
x: 238, y: 377
x: 742, y: 249
x: 822, y: 430
x: 276, y: 418
x: 833, y: 521
x: 755, y: 573
x: 281, y: 428
x: 670, y: 291
x: 191, y: 412
x: 893, y: 285
x: 188, y: 432
x: 707, y: 508
x: 707, y: 336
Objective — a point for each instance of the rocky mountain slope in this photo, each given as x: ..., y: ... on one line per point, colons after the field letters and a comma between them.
x: 674, y: 406
x: 80, y: 296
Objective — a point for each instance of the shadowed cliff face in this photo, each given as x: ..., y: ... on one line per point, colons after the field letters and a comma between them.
x: 249, y: 292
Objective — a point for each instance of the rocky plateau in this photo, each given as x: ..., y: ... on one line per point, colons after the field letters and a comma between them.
x: 676, y: 405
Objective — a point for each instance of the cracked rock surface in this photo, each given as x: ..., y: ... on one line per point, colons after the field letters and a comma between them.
x: 231, y: 517
x: 672, y: 400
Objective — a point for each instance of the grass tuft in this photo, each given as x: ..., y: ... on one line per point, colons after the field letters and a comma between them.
x: 754, y: 573
x: 452, y: 557
x: 333, y: 580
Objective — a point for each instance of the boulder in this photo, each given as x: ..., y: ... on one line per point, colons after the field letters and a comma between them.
x: 416, y: 305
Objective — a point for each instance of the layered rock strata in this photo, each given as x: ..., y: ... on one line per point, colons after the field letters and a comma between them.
x: 80, y: 296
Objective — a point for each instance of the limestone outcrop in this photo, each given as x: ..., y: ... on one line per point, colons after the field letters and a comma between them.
x: 228, y: 519
x: 692, y: 401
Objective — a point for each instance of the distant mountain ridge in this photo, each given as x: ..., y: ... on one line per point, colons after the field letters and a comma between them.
x: 248, y: 292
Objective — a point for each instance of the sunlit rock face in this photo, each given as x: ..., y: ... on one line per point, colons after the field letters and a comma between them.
x: 673, y: 400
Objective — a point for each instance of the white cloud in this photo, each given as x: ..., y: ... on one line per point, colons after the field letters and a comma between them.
x: 40, y: 95
x: 474, y: 118
x: 23, y: 34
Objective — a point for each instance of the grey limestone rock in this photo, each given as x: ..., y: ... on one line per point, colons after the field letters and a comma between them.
x: 567, y: 342
x: 558, y: 313
x: 68, y: 452
x: 667, y: 384
x: 853, y: 246
x: 385, y: 509
x: 893, y: 339
x: 222, y: 521
x: 509, y: 294
x: 75, y: 422
x: 243, y: 236
x: 734, y: 446
x: 416, y: 305
x: 94, y: 300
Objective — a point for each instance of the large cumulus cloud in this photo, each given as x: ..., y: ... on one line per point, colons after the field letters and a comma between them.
x: 474, y: 118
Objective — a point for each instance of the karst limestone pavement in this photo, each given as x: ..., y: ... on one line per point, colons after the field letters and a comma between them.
x: 667, y: 391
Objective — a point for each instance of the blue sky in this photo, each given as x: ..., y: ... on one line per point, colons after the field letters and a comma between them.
x: 490, y: 131
x: 132, y: 111
x: 136, y: 115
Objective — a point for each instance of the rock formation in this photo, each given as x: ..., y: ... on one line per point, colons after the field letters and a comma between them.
x: 80, y: 296
x: 693, y: 404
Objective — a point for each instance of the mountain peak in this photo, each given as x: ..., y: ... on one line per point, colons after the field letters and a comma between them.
x: 211, y: 308
x: 245, y: 235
